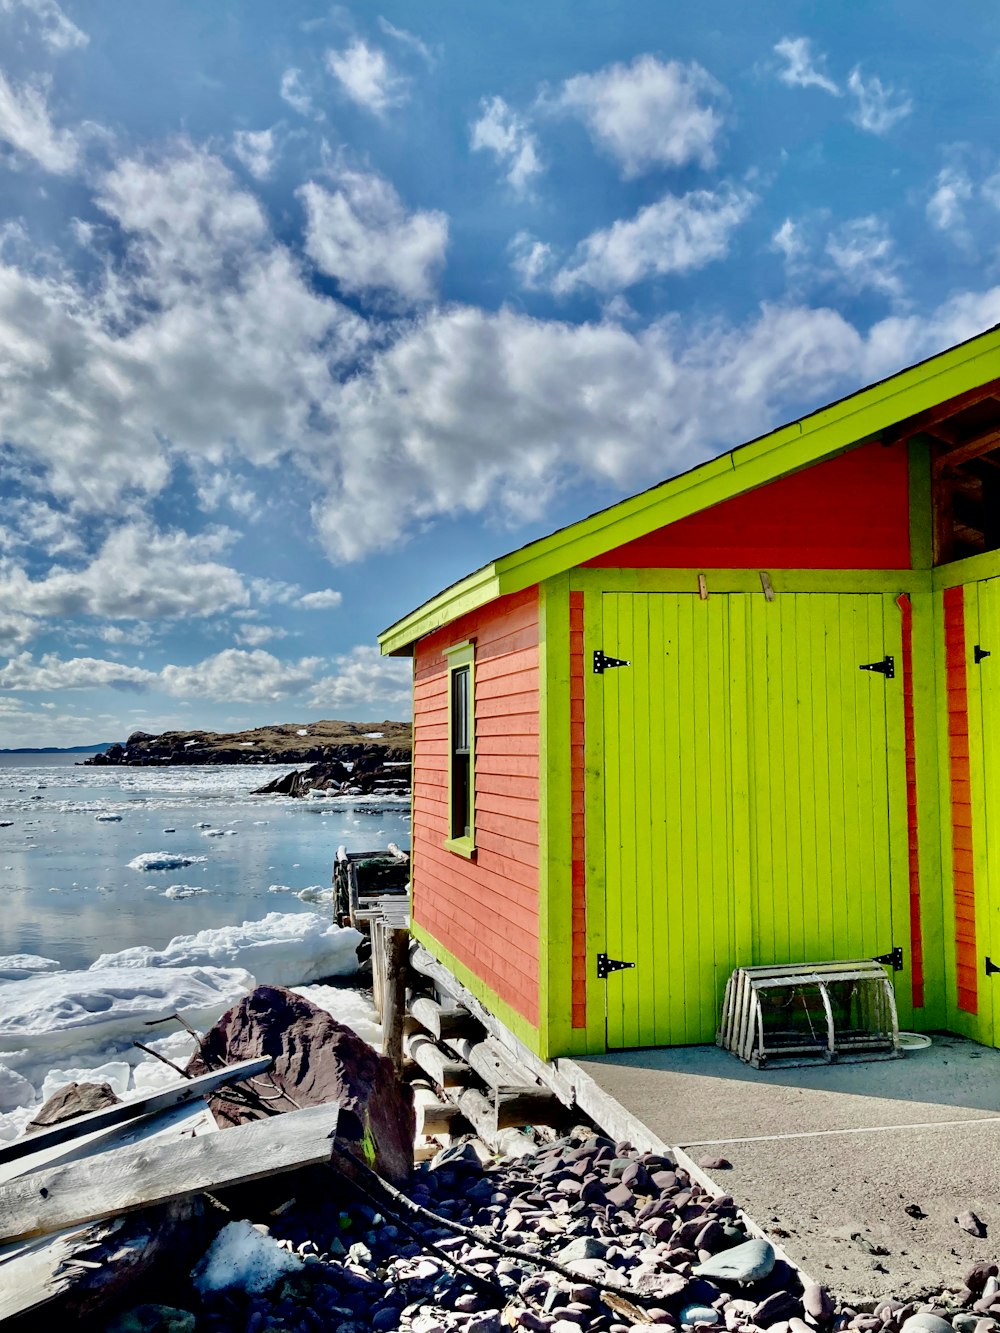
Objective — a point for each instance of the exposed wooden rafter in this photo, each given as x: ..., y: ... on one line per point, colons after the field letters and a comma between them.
x: 933, y: 416
x: 980, y: 444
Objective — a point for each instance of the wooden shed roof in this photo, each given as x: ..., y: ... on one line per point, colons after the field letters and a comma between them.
x: 920, y: 399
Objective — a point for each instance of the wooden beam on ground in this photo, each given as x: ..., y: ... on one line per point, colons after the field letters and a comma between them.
x: 424, y: 962
x: 495, y: 1065
x: 433, y: 1115
x: 134, y: 1178
x: 451, y: 1020
x: 445, y: 1071
x: 161, y: 1100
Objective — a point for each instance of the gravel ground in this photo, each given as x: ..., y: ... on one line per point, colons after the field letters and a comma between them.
x: 632, y: 1240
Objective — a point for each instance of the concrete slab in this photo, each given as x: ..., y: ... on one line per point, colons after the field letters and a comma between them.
x: 827, y: 1159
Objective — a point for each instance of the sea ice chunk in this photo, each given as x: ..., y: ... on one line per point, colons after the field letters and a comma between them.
x: 113, y: 1072
x: 164, y: 861
x: 281, y: 949
x: 17, y: 966
x: 243, y: 1257
x: 15, y: 1090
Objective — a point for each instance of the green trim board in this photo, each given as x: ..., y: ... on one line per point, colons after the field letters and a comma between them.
x: 462, y: 657
x: 720, y: 581
x: 927, y: 682
x: 842, y: 425
x: 970, y: 570
x: 511, y: 1019
x: 921, y: 509
x: 555, y: 818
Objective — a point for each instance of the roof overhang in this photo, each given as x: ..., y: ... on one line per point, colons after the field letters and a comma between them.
x: 891, y: 405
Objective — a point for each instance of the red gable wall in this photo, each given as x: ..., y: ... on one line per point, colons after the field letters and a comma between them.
x: 485, y: 912
x: 851, y: 512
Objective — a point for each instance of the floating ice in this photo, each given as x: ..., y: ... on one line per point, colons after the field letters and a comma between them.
x: 164, y: 861
x: 108, y: 819
x: 17, y: 966
x: 315, y: 893
x: 113, y: 1072
x: 282, y: 949
x: 65, y: 1013
x: 6, y: 823
x: 219, y: 833
x: 15, y: 1090
x: 243, y: 1257
x: 184, y: 891
x: 204, y: 824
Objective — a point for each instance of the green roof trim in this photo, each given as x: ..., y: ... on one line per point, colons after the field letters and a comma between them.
x: 830, y: 430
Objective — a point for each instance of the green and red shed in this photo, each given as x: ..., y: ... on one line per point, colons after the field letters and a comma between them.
x: 750, y: 715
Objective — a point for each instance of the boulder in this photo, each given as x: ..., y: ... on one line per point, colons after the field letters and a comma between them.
x: 73, y: 1100
x: 750, y: 1262
x: 316, y: 1060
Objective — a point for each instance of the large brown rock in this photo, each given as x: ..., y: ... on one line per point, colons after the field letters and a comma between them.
x: 72, y: 1100
x: 316, y: 1060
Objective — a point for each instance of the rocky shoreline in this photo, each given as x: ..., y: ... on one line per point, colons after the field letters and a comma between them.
x: 287, y: 743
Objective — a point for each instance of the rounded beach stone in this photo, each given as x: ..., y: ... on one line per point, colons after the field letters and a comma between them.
x: 699, y: 1314
x: 150, y: 1318
x: 923, y: 1322
x: 711, y: 1163
x: 965, y: 1322
x: 583, y: 1247
x: 817, y: 1301
x: 749, y: 1262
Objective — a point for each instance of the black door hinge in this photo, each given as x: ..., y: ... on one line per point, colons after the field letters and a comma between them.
x: 603, y: 663
x: 991, y: 967
x: 887, y: 667
x: 893, y: 959
x: 606, y: 965
x: 979, y: 653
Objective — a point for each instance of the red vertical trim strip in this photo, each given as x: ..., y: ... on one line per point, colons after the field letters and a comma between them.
x: 916, y: 936
x: 961, y: 802
x: 579, y: 871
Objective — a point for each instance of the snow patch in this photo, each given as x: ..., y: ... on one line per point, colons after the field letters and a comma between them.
x: 374, y: 735
x: 15, y: 1090
x: 116, y: 1073
x: 17, y: 966
x: 349, y: 1007
x: 243, y: 1257
x: 302, y: 732
x: 164, y: 861
x: 282, y: 949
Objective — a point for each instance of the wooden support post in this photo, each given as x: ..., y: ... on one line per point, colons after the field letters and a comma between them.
x: 397, y: 953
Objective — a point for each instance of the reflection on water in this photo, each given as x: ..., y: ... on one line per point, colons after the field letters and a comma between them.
x: 67, y: 890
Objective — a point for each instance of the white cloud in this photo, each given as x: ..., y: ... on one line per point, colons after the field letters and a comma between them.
x: 240, y: 677
x: 863, y: 254
x: 295, y: 93
x: 26, y: 126
x: 879, y: 106
x: 504, y: 133
x: 361, y: 235
x: 532, y: 260
x: 139, y: 573
x: 256, y: 635
x: 787, y: 240
x: 407, y: 39
x: 803, y: 69
x: 233, y: 675
x: 648, y: 114
x: 56, y: 31
x: 16, y: 630
x: 366, y: 77
x: 256, y: 150
x: 364, y: 678
x: 221, y: 488
x: 674, y: 235
x: 323, y: 600
x: 952, y: 191
x: 52, y: 672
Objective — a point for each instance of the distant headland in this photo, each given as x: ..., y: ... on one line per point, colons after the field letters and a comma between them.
x: 285, y: 743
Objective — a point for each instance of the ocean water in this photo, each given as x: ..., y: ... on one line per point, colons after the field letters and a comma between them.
x: 68, y: 834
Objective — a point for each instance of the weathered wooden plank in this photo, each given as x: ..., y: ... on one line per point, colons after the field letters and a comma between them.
x: 446, y: 1072
x: 452, y: 1020
x: 494, y: 1065
x: 397, y: 946
x: 161, y: 1100
x: 433, y: 1115
x: 134, y: 1178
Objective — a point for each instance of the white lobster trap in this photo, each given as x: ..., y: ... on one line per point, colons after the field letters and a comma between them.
x: 803, y: 1012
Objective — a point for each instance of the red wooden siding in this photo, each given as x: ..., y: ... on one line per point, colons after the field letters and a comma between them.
x: 579, y: 961
x: 961, y: 800
x: 916, y: 936
x: 851, y: 512
x: 484, y: 911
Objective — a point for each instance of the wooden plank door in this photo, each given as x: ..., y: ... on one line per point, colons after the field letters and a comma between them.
x: 982, y: 671
x: 669, y: 848
x: 755, y: 804
x: 827, y: 777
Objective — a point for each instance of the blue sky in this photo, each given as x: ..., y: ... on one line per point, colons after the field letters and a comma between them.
x: 307, y: 311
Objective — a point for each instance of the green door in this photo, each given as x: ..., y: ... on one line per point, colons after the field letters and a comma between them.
x: 752, y: 774
x: 982, y: 668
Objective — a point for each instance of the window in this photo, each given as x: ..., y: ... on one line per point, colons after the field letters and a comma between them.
x: 461, y: 750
